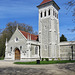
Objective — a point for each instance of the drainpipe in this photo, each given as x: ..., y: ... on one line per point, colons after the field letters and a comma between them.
x: 72, y: 51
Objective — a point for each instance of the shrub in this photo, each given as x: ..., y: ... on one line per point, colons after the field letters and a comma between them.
x: 42, y: 59
x: 59, y: 59
x: 46, y: 59
x: 52, y: 59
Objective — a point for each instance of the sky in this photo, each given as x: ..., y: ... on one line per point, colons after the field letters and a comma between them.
x: 25, y: 11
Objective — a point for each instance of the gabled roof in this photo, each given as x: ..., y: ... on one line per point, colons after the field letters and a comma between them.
x: 45, y: 1
x: 48, y: 2
x: 26, y: 34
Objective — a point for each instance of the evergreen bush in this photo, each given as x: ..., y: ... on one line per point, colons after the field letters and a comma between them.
x: 46, y: 59
x: 52, y: 59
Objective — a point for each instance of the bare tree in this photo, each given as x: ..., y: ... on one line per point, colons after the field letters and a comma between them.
x: 71, y: 5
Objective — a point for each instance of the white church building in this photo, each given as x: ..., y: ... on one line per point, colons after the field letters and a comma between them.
x: 25, y: 46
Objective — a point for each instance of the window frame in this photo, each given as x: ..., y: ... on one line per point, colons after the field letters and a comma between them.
x: 53, y: 13
x: 16, y: 39
x: 20, y: 47
x: 10, y: 48
x: 45, y: 14
x: 49, y: 13
x: 36, y: 50
x: 41, y: 15
x: 57, y: 16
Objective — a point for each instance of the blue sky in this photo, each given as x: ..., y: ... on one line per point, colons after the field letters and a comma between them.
x: 25, y: 11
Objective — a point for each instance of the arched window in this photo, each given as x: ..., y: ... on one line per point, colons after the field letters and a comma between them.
x: 36, y: 50
x: 16, y: 39
x: 45, y: 13
x: 49, y: 12
x: 11, y: 48
x: 41, y: 15
x: 20, y: 47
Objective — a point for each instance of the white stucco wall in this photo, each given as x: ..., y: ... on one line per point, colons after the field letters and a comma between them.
x: 66, y: 50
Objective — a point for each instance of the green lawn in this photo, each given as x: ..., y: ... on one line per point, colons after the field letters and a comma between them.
x: 46, y: 62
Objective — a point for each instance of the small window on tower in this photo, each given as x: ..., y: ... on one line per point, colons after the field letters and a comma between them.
x: 53, y: 12
x: 41, y: 14
x: 49, y: 12
x: 45, y: 13
x: 57, y: 15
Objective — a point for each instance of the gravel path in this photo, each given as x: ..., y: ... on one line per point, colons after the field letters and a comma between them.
x: 8, y: 68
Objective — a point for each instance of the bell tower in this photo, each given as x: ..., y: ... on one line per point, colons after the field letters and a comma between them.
x: 49, y: 29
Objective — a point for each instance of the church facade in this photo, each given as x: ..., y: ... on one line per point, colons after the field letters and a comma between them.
x: 22, y: 46
x: 29, y: 47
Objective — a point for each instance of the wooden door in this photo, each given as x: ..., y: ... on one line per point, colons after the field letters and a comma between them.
x: 17, y: 54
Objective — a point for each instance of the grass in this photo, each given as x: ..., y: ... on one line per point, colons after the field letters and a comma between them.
x: 46, y: 62
x: 1, y: 58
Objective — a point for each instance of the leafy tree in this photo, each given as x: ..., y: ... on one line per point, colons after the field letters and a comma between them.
x: 63, y: 38
x: 9, y: 30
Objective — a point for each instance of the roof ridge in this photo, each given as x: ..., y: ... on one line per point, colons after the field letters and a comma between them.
x: 33, y: 37
x: 45, y: 1
x: 28, y: 32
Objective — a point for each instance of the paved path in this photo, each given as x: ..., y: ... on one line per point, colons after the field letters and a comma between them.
x: 8, y: 68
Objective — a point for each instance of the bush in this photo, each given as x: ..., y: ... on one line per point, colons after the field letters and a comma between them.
x: 59, y: 59
x: 46, y: 59
x: 52, y: 59
x: 42, y: 59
